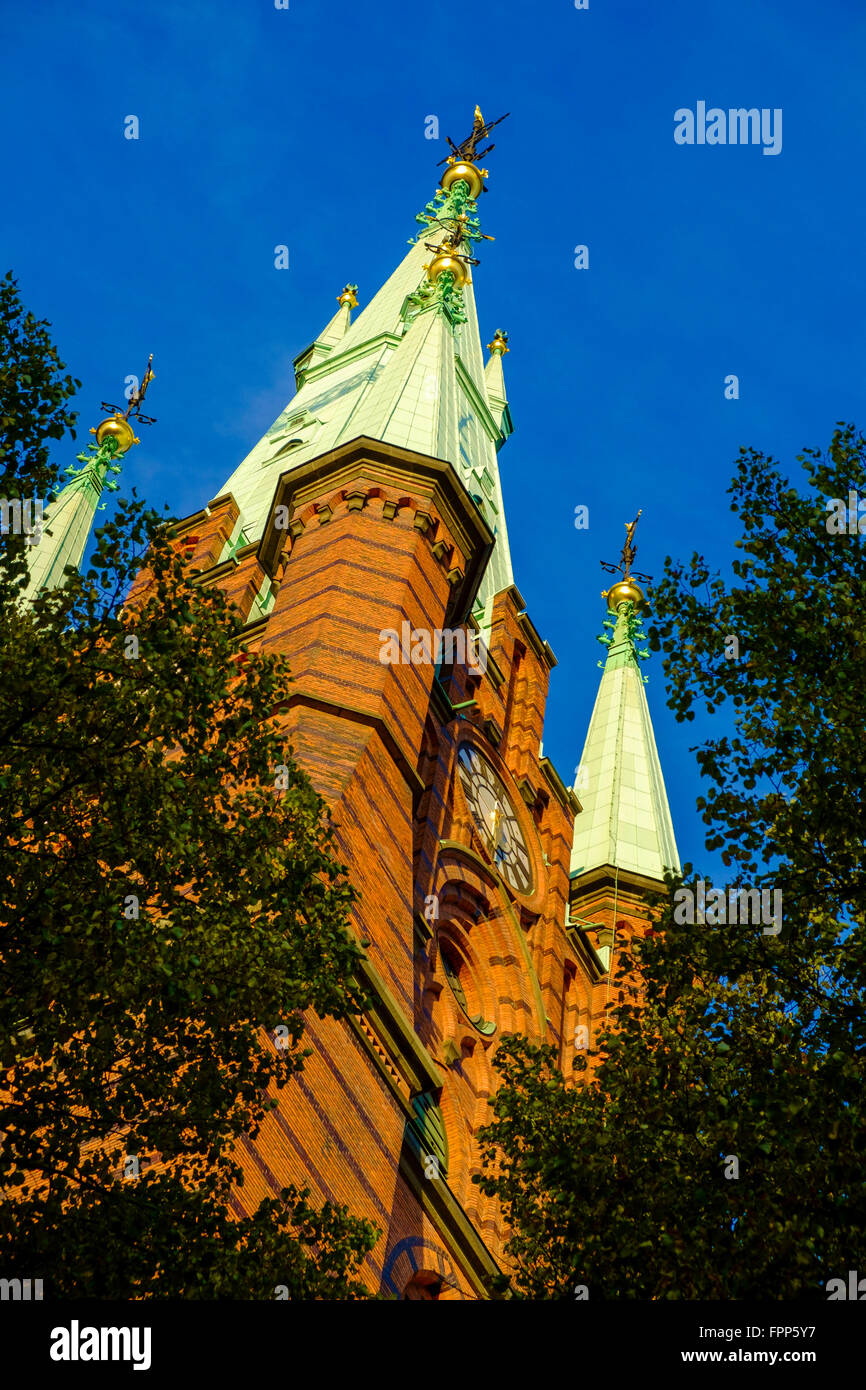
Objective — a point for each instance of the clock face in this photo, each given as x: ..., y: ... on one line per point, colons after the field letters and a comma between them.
x: 495, y: 817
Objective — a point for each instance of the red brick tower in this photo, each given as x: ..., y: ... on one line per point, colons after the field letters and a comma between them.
x: 364, y: 537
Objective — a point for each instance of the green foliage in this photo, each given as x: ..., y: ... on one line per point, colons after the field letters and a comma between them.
x: 150, y: 771
x: 728, y: 1043
x: 33, y: 411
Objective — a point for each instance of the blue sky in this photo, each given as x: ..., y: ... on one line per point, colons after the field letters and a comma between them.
x: 306, y: 127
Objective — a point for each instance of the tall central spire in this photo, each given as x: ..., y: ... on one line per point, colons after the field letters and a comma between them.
x: 409, y: 370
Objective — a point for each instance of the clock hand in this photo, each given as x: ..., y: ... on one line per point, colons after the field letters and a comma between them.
x: 498, y: 837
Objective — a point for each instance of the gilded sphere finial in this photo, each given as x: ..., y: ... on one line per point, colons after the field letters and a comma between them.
x: 463, y: 169
x: 625, y: 590
x: 500, y: 343
x: 445, y: 260
x: 117, y: 428
x: 348, y: 295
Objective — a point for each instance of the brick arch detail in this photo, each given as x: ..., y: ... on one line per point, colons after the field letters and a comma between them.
x: 499, y: 947
x: 476, y: 917
x: 414, y: 1255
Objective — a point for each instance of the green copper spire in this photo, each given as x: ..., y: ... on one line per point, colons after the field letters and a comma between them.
x: 330, y: 335
x: 626, y: 820
x: 69, y: 518
x: 408, y: 370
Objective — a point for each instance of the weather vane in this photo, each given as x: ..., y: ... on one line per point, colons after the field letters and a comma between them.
x: 468, y: 153
x: 468, y: 148
x: 629, y: 551
x: 136, y: 397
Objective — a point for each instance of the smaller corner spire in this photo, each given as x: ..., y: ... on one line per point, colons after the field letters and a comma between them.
x: 330, y: 337
x: 625, y: 822
x: 70, y: 516
x: 339, y: 325
x: 494, y: 381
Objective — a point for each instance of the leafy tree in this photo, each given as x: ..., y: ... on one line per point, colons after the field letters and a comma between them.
x: 168, y: 889
x: 33, y: 411
x: 718, y: 1150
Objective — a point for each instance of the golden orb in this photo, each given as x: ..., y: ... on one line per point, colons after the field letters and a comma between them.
x: 462, y: 169
x: 623, y: 590
x: 444, y: 260
x: 117, y: 428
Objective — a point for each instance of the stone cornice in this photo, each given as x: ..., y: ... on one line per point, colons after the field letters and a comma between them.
x: 346, y: 355
x: 608, y: 876
x: 398, y: 1037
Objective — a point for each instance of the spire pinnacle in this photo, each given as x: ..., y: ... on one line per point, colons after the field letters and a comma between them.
x: 626, y: 589
x: 117, y: 426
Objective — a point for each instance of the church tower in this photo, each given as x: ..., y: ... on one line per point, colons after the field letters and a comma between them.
x: 364, y: 538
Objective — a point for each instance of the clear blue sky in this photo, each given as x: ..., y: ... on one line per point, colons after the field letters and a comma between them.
x: 305, y: 126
